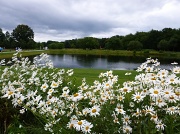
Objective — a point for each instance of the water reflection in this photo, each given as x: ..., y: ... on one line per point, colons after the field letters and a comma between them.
x: 103, y: 62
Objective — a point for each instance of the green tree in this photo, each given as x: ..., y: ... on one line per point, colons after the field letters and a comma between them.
x: 8, y: 39
x: 56, y: 45
x: 88, y: 43
x: 91, y: 43
x: 134, y: 45
x: 102, y: 42
x: 114, y: 43
x: 174, y: 42
x: 22, y: 34
x: 163, y: 45
x: 127, y: 39
x: 153, y: 38
x: 2, y: 38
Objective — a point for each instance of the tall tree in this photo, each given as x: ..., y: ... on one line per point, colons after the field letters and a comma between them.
x: 134, y: 45
x: 114, y: 43
x: 2, y: 38
x: 7, y: 40
x: 22, y: 34
x: 163, y: 45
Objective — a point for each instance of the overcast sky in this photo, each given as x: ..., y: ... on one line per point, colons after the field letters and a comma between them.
x: 68, y: 19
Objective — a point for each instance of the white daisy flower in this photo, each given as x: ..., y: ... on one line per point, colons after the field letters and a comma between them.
x: 76, y: 97
x: 127, y: 129
x: 137, y: 113
x: 138, y: 97
x: 85, y: 111
x: 79, y: 124
x: 44, y: 87
x: 159, y: 125
x: 86, y: 128
x: 54, y: 84
x: 155, y: 92
x: 94, y: 111
x: 126, y: 120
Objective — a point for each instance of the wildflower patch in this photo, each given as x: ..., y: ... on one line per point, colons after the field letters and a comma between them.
x: 149, y: 104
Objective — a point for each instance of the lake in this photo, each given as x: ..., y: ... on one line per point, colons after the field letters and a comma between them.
x: 104, y: 62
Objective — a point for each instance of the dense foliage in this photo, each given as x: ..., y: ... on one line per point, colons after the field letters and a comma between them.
x: 140, y: 40
x: 167, y: 39
x: 22, y: 37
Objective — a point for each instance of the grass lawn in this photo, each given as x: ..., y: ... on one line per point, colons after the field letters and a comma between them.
x: 146, y: 53
x: 92, y: 74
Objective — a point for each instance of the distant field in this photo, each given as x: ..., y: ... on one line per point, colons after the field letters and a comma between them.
x: 146, y: 53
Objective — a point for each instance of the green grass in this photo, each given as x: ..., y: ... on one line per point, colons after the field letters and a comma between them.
x: 9, y: 54
x: 92, y: 74
x: 144, y: 53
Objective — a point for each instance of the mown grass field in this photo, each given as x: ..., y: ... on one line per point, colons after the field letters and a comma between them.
x: 144, y: 53
x: 92, y: 74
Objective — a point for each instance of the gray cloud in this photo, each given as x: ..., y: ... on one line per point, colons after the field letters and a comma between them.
x: 67, y: 19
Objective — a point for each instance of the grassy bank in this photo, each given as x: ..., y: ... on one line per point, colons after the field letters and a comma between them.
x: 144, y: 53
x: 9, y: 53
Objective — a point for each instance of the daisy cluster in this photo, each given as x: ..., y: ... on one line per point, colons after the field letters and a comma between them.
x: 149, y: 103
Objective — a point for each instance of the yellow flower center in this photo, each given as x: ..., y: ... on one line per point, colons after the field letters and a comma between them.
x: 153, y: 78
x: 177, y: 93
x: 126, y: 119
x: 154, y: 116
x: 125, y: 89
x: 10, y: 93
x: 87, y: 128
x: 50, y: 90
x: 127, y: 130
x: 54, y: 84
x: 44, y: 86
x: 76, y: 94
x: 93, y: 110
x: 138, y: 97
x: 159, y: 100
x: 171, y: 97
x: 120, y: 98
x: 79, y: 122
x: 107, y: 84
x: 156, y: 92
x: 71, y: 125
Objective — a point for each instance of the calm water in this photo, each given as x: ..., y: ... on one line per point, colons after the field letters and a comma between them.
x: 103, y: 62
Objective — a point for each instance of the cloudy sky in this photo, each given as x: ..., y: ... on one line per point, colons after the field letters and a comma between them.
x: 68, y: 19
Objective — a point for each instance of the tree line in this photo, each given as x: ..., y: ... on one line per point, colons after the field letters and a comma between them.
x: 167, y: 39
